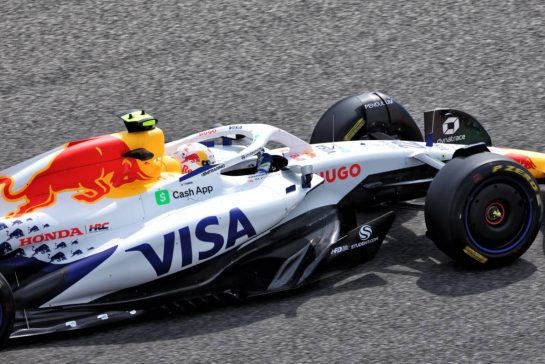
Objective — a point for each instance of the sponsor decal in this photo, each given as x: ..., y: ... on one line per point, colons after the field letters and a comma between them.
x: 239, y: 227
x: 193, y: 161
x: 162, y: 197
x: 186, y: 169
x: 475, y: 255
x: 96, y: 228
x: 451, y: 125
x: 194, y: 157
x: 303, y: 157
x: 257, y: 177
x: 183, y: 194
x: 365, y: 232
x: 339, y: 249
x: 59, y: 234
x: 207, y: 132
x: 363, y: 243
x: 522, y: 159
x: 452, y: 139
x: 213, y: 169
x: 380, y: 103
x: 102, y: 174
x: 58, y: 257
x: 15, y: 234
x: 235, y: 127
x: 357, y: 127
x: 342, y: 173
x: 192, y: 192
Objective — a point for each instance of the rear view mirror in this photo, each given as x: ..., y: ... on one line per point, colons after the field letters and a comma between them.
x: 140, y: 154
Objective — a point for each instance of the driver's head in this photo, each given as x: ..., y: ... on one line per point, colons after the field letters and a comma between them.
x: 192, y: 156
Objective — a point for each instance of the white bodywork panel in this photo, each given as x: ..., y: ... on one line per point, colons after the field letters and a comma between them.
x: 184, y: 220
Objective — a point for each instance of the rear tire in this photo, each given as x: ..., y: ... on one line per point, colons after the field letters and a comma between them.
x: 359, y: 117
x: 7, y: 311
x: 483, y: 210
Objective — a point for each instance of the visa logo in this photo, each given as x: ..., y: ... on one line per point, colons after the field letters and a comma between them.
x: 239, y: 226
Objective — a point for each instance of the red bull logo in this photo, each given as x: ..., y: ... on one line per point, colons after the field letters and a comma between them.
x: 91, y: 167
x: 522, y: 159
x: 193, y: 161
x: 195, y: 157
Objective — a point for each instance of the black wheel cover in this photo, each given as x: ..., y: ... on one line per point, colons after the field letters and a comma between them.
x: 498, y: 215
x: 354, y: 117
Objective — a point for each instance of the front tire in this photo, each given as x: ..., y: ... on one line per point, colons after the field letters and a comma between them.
x: 483, y: 210
x: 7, y: 311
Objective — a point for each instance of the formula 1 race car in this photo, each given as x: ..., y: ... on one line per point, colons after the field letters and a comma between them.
x: 102, y: 229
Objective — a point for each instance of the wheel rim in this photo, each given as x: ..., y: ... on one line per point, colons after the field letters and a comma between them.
x: 498, y: 215
x: 494, y: 213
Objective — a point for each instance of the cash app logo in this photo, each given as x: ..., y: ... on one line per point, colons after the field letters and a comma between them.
x: 162, y: 197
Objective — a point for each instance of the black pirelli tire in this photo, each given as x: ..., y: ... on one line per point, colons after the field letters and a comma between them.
x: 483, y: 210
x: 358, y: 117
x: 7, y: 311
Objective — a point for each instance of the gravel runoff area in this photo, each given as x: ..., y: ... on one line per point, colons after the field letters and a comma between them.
x: 67, y: 66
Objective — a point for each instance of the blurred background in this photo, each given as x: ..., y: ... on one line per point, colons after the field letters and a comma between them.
x: 66, y: 67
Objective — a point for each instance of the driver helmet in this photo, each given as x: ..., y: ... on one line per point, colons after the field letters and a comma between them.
x: 193, y: 155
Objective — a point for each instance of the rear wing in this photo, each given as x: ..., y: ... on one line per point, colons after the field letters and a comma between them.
x: 453, y: 127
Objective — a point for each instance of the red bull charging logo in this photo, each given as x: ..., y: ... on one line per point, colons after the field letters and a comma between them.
x: 93, y: 168
x: 193, y: 161
x: 523, y: 160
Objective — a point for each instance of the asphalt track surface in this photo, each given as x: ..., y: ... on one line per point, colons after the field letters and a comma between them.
x: 67, y: 66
